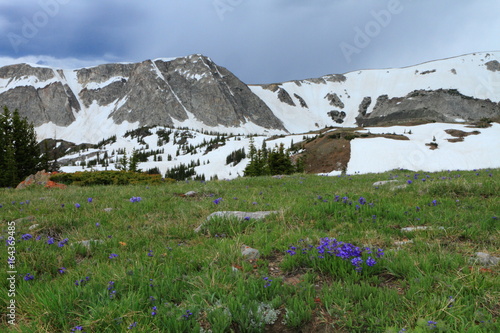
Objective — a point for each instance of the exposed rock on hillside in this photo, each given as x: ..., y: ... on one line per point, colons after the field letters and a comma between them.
x: 443, y: 105
x: 151, y: 93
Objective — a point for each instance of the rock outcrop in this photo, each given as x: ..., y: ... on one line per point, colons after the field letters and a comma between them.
x: 442, y: 105
x: 153, y: 92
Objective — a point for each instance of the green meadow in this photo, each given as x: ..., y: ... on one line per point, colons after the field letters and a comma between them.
x: 334, y: 256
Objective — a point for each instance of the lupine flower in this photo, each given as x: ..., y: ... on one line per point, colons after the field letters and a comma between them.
x: 50, y: 241
x: 77, y: 205
x: 434, y: 202
x: 38, y: 237
x: 150, y: 253
x: 432, y: 324
x: 217, y: 201
x: 135, y: 199
x: 418, y: 209
x: 134, y: 324
x: 268, y: 282
x: 409, y: 181
x: 153, y: 313
x: 26, y: 236
x: 112, y: 255
x: 77, y: 328
x: 247, y: 218
x: 28, y: 277
x: 62, y: 270
x: 89, y: 200
x: 362, y: 201
x: 97, y: 224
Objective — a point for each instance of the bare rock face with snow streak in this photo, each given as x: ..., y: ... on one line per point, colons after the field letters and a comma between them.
x: 151, y: 93
x: 443, y: 105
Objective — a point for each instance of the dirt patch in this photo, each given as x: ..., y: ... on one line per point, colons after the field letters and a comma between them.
x: 324, y: 154
x: 459, y: 135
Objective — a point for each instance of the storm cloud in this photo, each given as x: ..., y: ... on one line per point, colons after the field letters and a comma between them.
x: 261, y: 41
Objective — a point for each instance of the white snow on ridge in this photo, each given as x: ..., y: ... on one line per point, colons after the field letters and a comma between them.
x: 468, y: 74
x: 373, y: 155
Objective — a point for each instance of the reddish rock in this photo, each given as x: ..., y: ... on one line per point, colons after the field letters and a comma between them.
x: 40, y: 178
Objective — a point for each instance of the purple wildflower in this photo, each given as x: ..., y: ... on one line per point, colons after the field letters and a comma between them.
x: 28, y: 277
x: 77, y: 205
x: 187, y: 315
x: 26, y: 237
x: 112, y: 255
x: 370, y: 261
x: 89, y: 200
x: 63, y: 242
x: 217, y: 201
x: 62, y: 270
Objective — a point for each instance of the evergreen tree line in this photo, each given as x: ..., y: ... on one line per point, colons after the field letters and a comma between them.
x: 19, y: 151
x: 236, y: 156
x: 274, y: 161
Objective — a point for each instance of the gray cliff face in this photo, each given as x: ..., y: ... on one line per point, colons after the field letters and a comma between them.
x: 443, y: 105
x: 53, y: 103
x: 150, y: 93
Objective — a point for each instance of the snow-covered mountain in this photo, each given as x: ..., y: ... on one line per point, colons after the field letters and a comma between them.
x: 189, y: 111
x: 464, y: 88
x: 88, y: 104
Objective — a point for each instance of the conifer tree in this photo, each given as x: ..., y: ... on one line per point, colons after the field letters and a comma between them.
x: 19, y: 152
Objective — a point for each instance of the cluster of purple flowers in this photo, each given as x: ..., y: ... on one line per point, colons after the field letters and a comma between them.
x: 187, y: 314
x: 77, y: 329
x: 268, y: 282
x: 217, y: 201
x: 345, y: 251
x: 135, y: 199
x: 82, y: 282
x: 28, y: 277
x: 112, y: 255
x: 63, y: 242
x: 111, y: 289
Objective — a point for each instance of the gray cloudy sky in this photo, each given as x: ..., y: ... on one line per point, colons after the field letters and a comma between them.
x: 261, y: 41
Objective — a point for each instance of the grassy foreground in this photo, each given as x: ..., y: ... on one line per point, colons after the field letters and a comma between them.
x: 146, y: 270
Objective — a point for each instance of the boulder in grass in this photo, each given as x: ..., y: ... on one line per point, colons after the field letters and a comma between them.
x: 249, y: 253
x: 485, y: 259
x: 40, y: 178
x: 237, y: 215
x: 384, y: 182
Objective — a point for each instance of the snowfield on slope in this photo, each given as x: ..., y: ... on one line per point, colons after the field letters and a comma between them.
x: 380, y: 154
